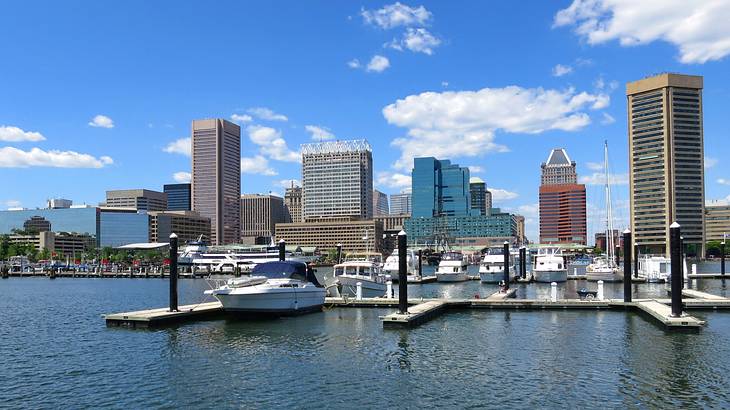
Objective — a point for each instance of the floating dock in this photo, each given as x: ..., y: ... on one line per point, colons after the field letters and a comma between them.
x: 416, y: 315
x: 163, y: 316
x: 663, y: 314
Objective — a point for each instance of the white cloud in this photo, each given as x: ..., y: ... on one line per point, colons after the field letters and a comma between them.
x: 395, y: 15
x: 240, y: 118
x: 475, y: 169
x: 266, y: 114
x: 378, y: 64
x: 319, y: 133
x: 287, y: 183
x: 499, y: 195
x: 14, y: 158
x: 12, y: 203
x: 561, y: 70
x: 468, y: 120
x: 102, y: 121
x: 272, y: 144
x: 723, y: 181
x: 607, y: 119
x: 699, y: 28
x: 14, y: 134
x: 710, y: 162
x: 594, y: 166
x: 599, y: 178
x: 257, y: 165
x: 354, y: 63
x: 393, y: 180
x: 182, y: 146
x: 444, y: 84
x: 182, y: 177
x: 418, y: 40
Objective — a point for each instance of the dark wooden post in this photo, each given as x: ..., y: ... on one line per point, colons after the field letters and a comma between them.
x: 173, y: 273
x: 282, y: 250
x: 420, y: 264
x: 339, y: 253
x: 676, y: 257
x: 402, y: 273
x: 505, y: 254
x: 618, y: 255
x: 627, y: 266
x: 722, y: 256
x: 636, y: 260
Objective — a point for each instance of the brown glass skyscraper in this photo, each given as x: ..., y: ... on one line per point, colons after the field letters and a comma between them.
x: 216, y: 177
x: 562, y: 201
x: 666, y: 161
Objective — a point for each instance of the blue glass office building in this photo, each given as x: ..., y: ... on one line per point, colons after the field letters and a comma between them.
x: 178, y: 197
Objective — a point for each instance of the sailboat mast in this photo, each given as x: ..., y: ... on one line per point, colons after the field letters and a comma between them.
x: 609, y: 217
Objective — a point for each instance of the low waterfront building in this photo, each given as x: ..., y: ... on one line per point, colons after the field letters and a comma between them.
x: 61, y: 243
x: 178, y: 196
x: 717, y: 219
x: 139, y: 199
x: 392, y: 225
x: 356, y: 235
x: 499, y: 227
x: 187, y: 225
x: 259, y: 216
x: 601, y: 239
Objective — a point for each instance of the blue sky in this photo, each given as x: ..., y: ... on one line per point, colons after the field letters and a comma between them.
x: 97, y: 95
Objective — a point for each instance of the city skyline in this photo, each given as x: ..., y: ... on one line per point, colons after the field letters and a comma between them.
x: 113, y: 126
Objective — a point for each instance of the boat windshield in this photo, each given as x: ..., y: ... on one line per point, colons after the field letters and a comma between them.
x: 285, y: 270
x: 452, y: 256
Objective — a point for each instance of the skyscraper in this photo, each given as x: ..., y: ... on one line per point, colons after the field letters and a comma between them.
x: 478, y: 191
x: 400, y: 204
x: 178, y: 196
x: 666, y: 161
x: 562, y: 201
x: 440, y: 188
x: 293, y: 203
x: 380, y: 203
x: 337, y: 180
x: 216, y: 177
x: 259, y: 216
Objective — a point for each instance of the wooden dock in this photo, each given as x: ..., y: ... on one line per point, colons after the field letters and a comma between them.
x: 416, y: 315
x: 663, y: 314
x: 696, y: 294
x: 162, y: 317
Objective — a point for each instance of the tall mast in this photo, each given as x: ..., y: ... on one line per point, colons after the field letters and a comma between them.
x: 609, y: 217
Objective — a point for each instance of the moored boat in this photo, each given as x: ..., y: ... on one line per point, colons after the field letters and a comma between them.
x: 348, y: 274
x: 491, y: 269
x: 549, y: 268
x: 452, y: 268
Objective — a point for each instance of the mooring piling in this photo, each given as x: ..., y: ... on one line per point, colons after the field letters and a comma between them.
x: 636, y: 260
x: 282, y: 250
x: 627, y: 265
x: 722, y: 256
x: 402, y: 273
x: 173, y: 272
x: 339, y: 253
x: 523, y: 263
x: 505, y: 253
x: 675, y: 250
x: 618, y: 255
x: 420, y: 264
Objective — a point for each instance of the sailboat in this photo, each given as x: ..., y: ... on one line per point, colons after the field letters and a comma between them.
x: 606, y: 269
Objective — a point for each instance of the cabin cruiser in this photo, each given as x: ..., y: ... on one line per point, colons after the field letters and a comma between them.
x: 200, y: 256
x: 278, y: 288
x: 452, y: 268
x: 391, y: 266
x: 372, y: 280
x: 604, y: 269
x: 655, y: 269
x: 373, y: 257
x: 549, y: 268
x: 491, y: 269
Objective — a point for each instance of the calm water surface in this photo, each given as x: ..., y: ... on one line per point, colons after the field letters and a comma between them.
x: 55, y: 352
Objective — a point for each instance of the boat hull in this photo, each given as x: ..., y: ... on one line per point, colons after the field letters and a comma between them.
x: 495, y: 277
x: 284, y: 302
x: 452, y: 277
x: 549, y: 276
x: 604, y: 276
x: 347, y: 286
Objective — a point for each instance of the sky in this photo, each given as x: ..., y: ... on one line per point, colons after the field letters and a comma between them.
x: 100, y: 95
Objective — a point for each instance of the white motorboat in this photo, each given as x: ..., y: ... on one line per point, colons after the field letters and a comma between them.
x: 374, y: 257
x: 452, y: 268
x: 274, y: 288
x: 655, y: 269
x: 491, y: 269
x: 391, y: 266
x: 367, y: 273
x: 549, y: 268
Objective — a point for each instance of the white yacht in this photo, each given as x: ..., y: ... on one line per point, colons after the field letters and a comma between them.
x: 549, y: 268
x: 655, y: 269
x: 274, y: 288
x: 606, y: 269
x: 452, y: 268
x: 491, y: 269
x: 226, y: 260
x: 374, y: 257
x: 347, y: 274
x: 391, y: 266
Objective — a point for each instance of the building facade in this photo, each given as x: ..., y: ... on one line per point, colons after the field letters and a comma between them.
x: 355, y: 236
x: 187, y: 225
x: 488, y: 204
x: 666, y: 161
x: 216, y: 177
x: 562, y: 202
x: 478, y: 192
x: 521, y: 238
x: 60, y: 245
x: 500, y: 227
x: 139, y: 199
x: 380, y: 203
x: 337, y: 180
x: 400, y: 204
x: 717, y: 220
x: 259, y: 216
x: 178, y: 197
x: 293, y: 204
x: 440, y: 188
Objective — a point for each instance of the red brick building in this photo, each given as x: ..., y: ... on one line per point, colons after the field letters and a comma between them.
x: 562, y: 202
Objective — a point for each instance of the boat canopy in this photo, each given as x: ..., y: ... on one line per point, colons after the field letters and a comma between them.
x: 285, y: 270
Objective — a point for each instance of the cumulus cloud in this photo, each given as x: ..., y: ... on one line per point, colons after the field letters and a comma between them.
x: 266, y: 114
x: 241, y: 118
x: 607, y: 119
x: 599, y: 178
x: 12, y: 203
x: 393, y: 180
x: 560, y: 70
x: 101, y: 121
x: 15, y: 158
x: 319, y: 133
x: 287, y: 183
x: 14, y: 134
x: 182, y: 177
x: 181, y: 146
x: 378, y: 64
x: 469, y: 119
x: 257, y: 165
x: 697, y: 27
x: 475, y: 169
x: 723, y: 181
x: 594, y: 166
x: 354, y: 63
x: 710, y: 162
x: 418, y: 40
x: 395, y: 15
x: 499, y: 195
x: 271, y: 143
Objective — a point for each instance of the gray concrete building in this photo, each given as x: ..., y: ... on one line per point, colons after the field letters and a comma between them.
x: 380, y: 203
x: 187, y: 225
x: 400, y: 204
x: 259, y: 216
x: 717, y: 220
x: 293, y: 204
x: 139, y: 199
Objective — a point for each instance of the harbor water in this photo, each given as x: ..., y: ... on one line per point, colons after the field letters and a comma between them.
x: 55, y: 351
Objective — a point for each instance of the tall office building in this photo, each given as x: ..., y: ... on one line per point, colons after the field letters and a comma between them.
x: 666, y: 161
x: 187, y: 225
x: 440, y: 188
x: 293, y: 203
x: 478, y: 191
x: 488, y: 201
x: 400, y: 204
x: 380, y: 203
x: 259, y: 216
x: 178, y: 197
x: 717, y: 220
x: 562, y: 202
x: 337, y: 180
x: 139, y: 199
x: 216, y: 177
